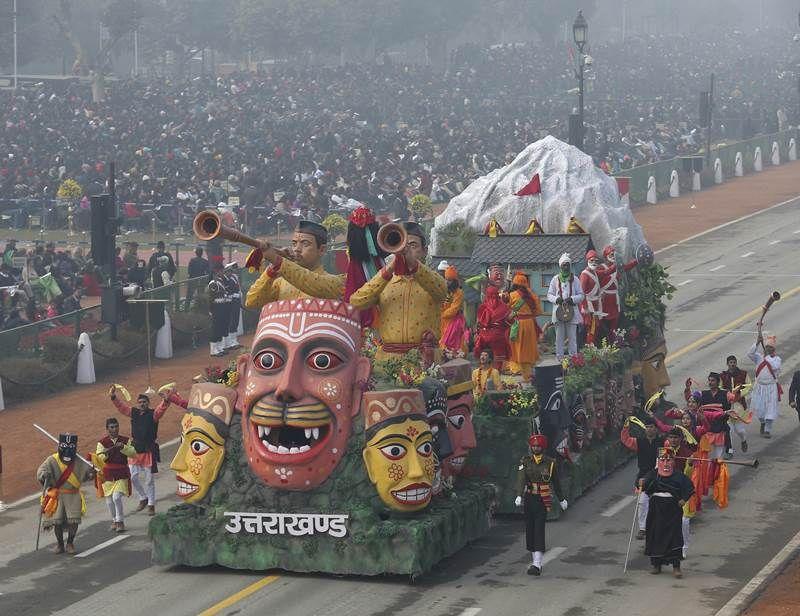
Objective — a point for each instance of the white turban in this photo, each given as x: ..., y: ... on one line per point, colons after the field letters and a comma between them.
x: 564, y: 259
x: 443, y: 265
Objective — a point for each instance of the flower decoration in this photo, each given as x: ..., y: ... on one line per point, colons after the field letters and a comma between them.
x: 362, y: 216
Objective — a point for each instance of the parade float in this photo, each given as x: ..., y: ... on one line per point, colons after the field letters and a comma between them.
x: 308, y: 454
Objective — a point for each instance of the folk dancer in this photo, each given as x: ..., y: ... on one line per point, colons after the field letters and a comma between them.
x: 668, y: 490
x: 525, y: 307
x: 233, y: 289
x: 112, y: 453
x: 684, y: 445
x: 144, y: 432
x: 364, y: 257
x: 537, y: 483
x: 453, y: 324
x: 219, y: 307
x: 298, y: 277
x: 485, y: 377
x: 565, y: 290
x: 646, y: 448
x: 733, y: 380
x: 493, y: 325
x: 409, y: 298
x: 714, y: 417
x: 719, y: 428
x: 63, y: 504
x: 766, y: 391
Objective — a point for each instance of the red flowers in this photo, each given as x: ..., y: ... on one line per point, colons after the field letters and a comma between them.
x: 362, y: 216
x: 578, y: 360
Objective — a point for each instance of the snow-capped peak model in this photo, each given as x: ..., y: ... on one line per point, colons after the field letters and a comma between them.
x: 571, y: 185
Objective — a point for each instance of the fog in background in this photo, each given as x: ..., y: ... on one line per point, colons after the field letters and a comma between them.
x: 176, y: 36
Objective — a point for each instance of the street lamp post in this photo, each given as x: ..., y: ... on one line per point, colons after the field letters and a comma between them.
x: 580, y: 34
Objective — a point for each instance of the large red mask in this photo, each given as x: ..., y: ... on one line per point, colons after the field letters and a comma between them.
x: 460, y: 428
x: 300, y: 388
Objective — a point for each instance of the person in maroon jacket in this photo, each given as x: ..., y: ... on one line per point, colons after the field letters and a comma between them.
x: 112, y: 452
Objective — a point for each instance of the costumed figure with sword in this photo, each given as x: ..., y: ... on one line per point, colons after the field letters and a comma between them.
x: 766, y: 389
x: 62, y: 502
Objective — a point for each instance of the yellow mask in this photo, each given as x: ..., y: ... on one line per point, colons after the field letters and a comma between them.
x: 400, y: 463
x: 199, y: 457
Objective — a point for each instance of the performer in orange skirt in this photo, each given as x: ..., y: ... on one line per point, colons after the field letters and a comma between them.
x: 525, y: 306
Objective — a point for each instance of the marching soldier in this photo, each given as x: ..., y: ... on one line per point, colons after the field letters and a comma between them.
x: 537, y: 482
x: 219, y: 305
x: 233, y: 290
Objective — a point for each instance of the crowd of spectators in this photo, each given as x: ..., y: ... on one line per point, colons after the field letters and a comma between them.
x: 43, y: 283
x: 301, y: 140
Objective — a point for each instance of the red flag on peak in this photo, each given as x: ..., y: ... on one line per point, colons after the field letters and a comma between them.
x: 534, y: 187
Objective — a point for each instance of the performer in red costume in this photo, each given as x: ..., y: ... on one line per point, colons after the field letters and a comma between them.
x: 609, y: 287
x: 493, y: 326
x: 592, y: 306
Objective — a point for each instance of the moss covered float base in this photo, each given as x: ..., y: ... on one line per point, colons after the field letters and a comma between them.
x: 503, y: 441
x: 377, y: 541
x: 193, y: 536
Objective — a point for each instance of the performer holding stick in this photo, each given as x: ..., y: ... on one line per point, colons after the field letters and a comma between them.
x: 63, y: 504
x: 668, y: 489
x: 766, y: 391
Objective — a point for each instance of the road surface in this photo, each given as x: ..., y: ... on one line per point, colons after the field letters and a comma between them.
x: 722, y: 278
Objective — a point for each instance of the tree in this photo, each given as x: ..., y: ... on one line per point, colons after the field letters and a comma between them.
x: 36, y: 36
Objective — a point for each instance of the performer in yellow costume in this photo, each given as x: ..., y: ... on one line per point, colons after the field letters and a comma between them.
x: 301, y: 276
x: 408, y: 295
x: 526, y: 305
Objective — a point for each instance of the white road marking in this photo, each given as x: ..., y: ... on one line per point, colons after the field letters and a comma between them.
x: 101, y: 546
x: 796, y: 232
x: 742, y: 599
x: 718, y: 267
x: 773, y: 242
x: 625, y: 501
x: 727, y: 224
x: 470, y: 611
x: 552, y: 554
x: 680, y: 284
x: 705, y: 331
x: 747, y: 254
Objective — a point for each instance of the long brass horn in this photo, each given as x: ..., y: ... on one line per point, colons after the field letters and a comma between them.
x: 207, y: 225
x: 392, y: 238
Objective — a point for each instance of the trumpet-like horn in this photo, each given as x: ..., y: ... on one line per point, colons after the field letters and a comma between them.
x: 207, y: 225
x: 392, y: 238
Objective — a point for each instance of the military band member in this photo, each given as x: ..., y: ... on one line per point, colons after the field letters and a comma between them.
x: 219, y: 307
x: 537, y: 482
x: 233, y: 290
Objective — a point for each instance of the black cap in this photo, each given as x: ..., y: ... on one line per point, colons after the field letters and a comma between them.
x: 67, y: 440
x: 413, y: 228
x: 714, y: 375
x: 313, y: 228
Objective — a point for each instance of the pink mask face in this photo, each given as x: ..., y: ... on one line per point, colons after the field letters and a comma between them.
x: 665, y: 466
x: 461, y: 432
x: 300, y: 389
x: 496, y: 276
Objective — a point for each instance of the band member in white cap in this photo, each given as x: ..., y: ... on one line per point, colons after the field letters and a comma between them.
x: 566, y: 294
x: 766, y: 391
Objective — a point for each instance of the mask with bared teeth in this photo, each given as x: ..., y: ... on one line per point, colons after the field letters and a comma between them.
x: 300, y: 387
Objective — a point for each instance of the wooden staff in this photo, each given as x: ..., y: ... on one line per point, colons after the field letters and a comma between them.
x: 752, y: 464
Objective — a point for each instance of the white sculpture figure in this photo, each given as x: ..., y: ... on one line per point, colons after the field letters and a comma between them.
x: 85, y: 371
x: 652, y: 194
